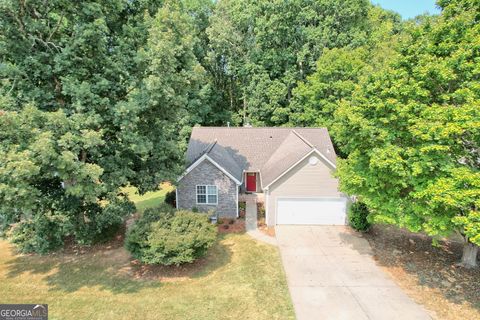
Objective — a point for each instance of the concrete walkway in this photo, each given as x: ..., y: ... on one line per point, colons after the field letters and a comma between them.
x: 251, y: 224
x: 331, y: 275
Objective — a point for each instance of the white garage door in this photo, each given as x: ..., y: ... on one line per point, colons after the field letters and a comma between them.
x: 328, y: 211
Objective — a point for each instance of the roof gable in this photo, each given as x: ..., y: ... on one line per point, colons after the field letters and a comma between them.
x: 292, y: 149
x: 268, y: 150
x: 251, y: 148
x: 205, y: 157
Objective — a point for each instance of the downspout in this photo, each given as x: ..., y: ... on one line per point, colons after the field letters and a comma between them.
x: 238, y: 215
x: 267, y: 193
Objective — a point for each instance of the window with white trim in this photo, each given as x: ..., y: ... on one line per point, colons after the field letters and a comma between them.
x: 207, y: 194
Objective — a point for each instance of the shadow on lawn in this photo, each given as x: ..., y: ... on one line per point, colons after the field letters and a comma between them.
x: 112, y: 270
x: 434, y: 267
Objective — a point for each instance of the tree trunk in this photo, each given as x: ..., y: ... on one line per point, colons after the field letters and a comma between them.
x: 244, y: 108
x: 469, y: 257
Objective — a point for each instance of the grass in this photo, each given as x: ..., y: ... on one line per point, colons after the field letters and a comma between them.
x: 239, y: 279
x: 150, y: 199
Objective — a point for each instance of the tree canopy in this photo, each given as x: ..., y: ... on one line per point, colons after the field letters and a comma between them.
x: 411, y: 130
x: 98, y: 95
x: 261, y: 49
x: 94, y: 96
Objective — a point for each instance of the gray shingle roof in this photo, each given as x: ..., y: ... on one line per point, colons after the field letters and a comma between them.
x: 290, y: 151
x: 268, y: 150
x: 221, y: 156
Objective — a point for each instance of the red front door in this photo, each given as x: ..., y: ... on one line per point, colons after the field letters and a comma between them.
x: 251, y: 182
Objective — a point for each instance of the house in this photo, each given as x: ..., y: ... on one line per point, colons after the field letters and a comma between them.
x: 289, y: 169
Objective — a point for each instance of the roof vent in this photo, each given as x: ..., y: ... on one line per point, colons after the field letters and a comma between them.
x: 247, y: 125
x: 313, y: 160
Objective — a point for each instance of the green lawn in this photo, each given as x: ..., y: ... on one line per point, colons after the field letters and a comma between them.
x: 150, y: 199
x: 239, y: 279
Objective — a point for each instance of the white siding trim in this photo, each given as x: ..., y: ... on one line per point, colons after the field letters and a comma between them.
x: 200, y: 160
x: 267, y: 204
x: 326, y: 159
x: 238, y: 187
x: 298, y: 162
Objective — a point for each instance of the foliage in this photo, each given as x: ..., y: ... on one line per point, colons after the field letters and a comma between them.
x: 171, y: 197
x: 412, y: 130
x: 94, y: 95
x: 340, y: 71
x: 136, y: 240
x: 358, y: 216
x: 164, y: 237
x: 261, y: 49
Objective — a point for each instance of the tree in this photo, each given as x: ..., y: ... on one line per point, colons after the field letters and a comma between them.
x: 412, y: 131
x: 340, y: 71
x: 94, y: 98
x: 261, y: 49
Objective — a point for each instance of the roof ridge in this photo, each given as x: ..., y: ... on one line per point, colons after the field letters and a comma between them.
x: 210, y: 147
x: 303, y: 139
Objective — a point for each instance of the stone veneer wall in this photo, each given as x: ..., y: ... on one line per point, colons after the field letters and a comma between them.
x: 207, y: 174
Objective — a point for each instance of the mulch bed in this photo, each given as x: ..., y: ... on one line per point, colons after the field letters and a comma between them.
x: 231, y: 226
x: 428, y: 274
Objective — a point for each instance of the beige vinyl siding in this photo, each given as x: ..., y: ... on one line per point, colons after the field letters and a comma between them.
x: 304, y: 180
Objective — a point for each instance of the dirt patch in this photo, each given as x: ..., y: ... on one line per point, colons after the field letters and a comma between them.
x: 73, y: 248
x: 428, y: 274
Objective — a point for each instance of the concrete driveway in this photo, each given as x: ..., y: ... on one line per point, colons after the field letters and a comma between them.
x: 331, y: 275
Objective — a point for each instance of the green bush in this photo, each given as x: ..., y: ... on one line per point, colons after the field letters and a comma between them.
x: 168, y: 237
x: 260, y: 210
x: 171, y: 198
x: 358, y: 217
x: 136, y: 240
x: 102, y: 223
x: 242, y: 206
x: 40, y: 234
x: 47, y: 229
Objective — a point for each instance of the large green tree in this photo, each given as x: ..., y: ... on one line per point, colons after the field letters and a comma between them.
x: 339, y: 72
x: 94, y: 95
x: 261, y: 49
x: 412, y: 131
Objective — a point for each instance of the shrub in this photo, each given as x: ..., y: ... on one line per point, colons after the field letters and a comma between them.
x: 260, y: 210
x: 101, y: 224
x: 41, y: 235
x: 242, y: 206
x: 136, y: 240
x: 171, y: 198
x: 358, y: 217
x: 163, y: 236
x: 45, y: 232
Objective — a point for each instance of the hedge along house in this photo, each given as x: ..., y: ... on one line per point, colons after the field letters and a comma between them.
x: 289, y: 169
